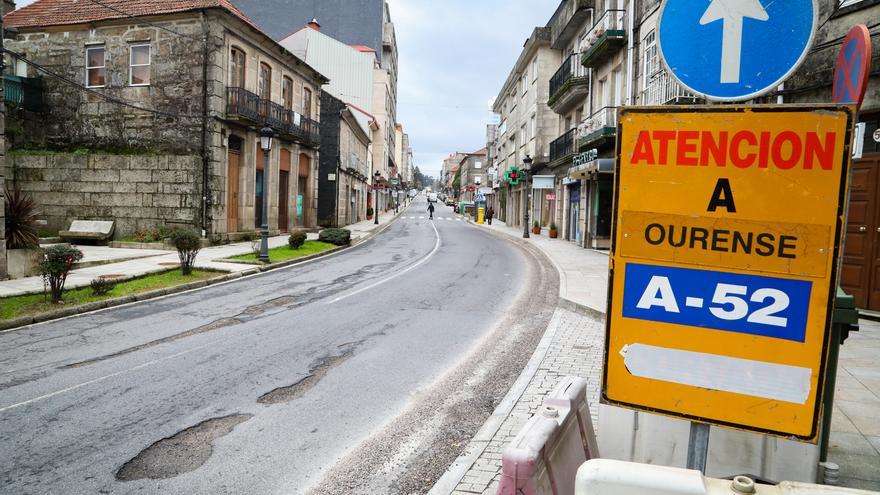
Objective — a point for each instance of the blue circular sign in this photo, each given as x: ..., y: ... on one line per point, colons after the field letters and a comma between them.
x: 735, y: 50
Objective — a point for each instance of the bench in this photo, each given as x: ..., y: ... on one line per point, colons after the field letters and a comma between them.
x: 89, y: 230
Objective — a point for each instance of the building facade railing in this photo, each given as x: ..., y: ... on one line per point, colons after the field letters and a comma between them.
x: 662, y: 89
x: 603, y: 118
x: 611, y: 23
x: 570, y: 68
x: 23, y: 92
x: 243, y: 104
x: 563, y: 145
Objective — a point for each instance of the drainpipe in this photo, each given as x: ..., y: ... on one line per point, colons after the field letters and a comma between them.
x: 629, y: 53
x: 206, y: 191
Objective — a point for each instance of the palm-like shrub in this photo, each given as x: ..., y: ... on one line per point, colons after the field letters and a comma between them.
x: 21, y: 218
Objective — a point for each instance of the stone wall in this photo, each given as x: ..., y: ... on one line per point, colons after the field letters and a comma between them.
x: 137, y: 191
x: 79, y: 119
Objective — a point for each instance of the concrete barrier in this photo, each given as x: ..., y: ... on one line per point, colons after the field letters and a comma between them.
x: 544, y: 457
x: 610, y: 477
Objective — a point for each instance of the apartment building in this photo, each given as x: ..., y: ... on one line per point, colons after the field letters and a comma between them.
x: 528, y: 125
x: 474, y: 175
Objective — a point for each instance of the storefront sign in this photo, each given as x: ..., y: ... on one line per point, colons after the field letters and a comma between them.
x: 514, y: 175
x: 544, y: 182
x: 724, y: 263
x: 585, y: 157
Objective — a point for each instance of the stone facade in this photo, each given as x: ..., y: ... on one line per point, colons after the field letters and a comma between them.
x: 189, y: 123
x: 344, y: 167
x: 137, y: 191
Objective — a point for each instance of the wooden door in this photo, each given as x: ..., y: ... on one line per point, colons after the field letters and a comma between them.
x: 860, y: 272
x: 283, y: 188
x: 232, y: 176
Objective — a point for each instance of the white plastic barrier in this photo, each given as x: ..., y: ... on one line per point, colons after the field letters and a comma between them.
x: 649, y: 438
x: 609, y: 477
x: 544, y: 457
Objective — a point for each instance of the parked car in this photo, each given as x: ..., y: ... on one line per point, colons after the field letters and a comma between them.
x: 432, y: 197
x: 450, y: 202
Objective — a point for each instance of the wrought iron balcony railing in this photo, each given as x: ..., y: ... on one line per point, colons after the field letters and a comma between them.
x: 23, y: 92
x: 243, y: 104
x: 563, y: 145
x: 663, y: 90
x: 570, y: 68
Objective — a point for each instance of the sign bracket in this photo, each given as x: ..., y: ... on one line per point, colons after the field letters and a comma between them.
x: 698, y: 447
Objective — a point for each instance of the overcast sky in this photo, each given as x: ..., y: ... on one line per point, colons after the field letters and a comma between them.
x: 454, y: 57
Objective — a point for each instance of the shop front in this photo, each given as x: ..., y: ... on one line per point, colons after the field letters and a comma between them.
x: 573, y: 217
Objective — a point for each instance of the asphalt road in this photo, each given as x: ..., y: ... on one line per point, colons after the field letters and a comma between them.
x: 271, y: 384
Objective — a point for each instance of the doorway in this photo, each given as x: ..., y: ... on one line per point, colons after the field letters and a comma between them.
x: 860, y: 269
x: 302, y: 189
x: 233, y: 160
x: 258, y: 187
x: 284, y: 191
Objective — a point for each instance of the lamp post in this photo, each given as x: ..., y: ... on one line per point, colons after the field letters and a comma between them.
x: 266, y: 134
x: 376, y: 177
x: 527, y: 168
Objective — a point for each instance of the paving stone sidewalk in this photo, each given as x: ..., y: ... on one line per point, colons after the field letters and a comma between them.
x: 573, y: 344
x: 137, y: 262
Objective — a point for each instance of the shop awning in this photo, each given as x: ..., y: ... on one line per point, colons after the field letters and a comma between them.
x: 599, y: 165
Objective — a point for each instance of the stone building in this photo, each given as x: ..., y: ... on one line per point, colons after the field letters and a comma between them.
x: 6, y: 6
x: 161, y: 104
x: 528, y: 125
x: 473, y: 174
x: 344, y: 169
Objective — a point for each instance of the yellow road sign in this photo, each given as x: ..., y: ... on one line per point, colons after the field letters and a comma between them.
x: 728, y: 224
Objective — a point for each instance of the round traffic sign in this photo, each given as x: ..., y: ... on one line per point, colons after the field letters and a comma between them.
x: 853, y: 67
x: 735, y: 50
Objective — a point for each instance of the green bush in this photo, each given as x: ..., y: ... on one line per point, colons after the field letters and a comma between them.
x: 102, y: 286
x: 188, y: 245
x: 535, y: 224
x: 57, y: 262
x: 552, y: 226
x: 339, y: 237
x: 297, y: 239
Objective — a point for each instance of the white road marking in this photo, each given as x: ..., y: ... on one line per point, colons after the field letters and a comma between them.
x: 111, y: 375
x: 398, y: 274
x: 420, y: 218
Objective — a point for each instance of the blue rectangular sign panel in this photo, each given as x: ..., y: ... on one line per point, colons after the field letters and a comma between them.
x: 749, y: 304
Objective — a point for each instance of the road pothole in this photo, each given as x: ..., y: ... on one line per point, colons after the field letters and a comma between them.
x: 180, y: 453
x: 316, y: 373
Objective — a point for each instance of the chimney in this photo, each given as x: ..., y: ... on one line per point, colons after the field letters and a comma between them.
x: 8, y: 6
x: 314, y: 25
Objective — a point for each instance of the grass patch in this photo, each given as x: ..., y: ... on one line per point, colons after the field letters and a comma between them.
x: 32, y: 304
x: 284, y: 253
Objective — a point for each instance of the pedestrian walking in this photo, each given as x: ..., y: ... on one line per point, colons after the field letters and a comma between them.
x: 490, y: 214
x: 431, y: 210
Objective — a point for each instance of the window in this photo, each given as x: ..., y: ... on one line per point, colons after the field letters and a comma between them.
x: 287, y: 92
x: 525, y: 83
x: 535, y: 70
x: 651, y: 57
x: 307, y: 105
x: 139, y: 60
x: 264, y: 88
x: 236, y: 68
x: 523, y: 135
x: 532, y: 125
x: 95, y: 67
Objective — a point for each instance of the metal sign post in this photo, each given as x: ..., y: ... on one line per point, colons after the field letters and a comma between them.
x: 698, y: 447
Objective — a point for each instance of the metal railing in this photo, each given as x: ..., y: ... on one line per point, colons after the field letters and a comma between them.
x: 569, y: 69
x: 248, y: 106
x: 662, y: 89
x: 602, y: 118
x: 563, y: 145
x: 611, y: 22
x: 23, y: 92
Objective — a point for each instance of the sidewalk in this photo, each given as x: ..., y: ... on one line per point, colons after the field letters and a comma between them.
x: 573, y: 345
x: 137, y: 262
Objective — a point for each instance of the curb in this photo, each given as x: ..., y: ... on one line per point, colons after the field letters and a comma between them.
x: 17, y: 323
x: 476, y: 446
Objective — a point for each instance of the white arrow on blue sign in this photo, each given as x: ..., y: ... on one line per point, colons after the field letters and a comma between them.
x: 735, y: 50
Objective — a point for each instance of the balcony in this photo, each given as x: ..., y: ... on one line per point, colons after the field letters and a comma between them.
x: 248, y: 109
x: 562, y: 147
x: 606, y: 36
x: 565, y: 22
x: 569, y: 85
x: 598, y: 129
x: 662, y: 89
x: 23, y: 92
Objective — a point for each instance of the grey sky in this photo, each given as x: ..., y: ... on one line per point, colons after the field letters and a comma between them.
x: 454, y: 57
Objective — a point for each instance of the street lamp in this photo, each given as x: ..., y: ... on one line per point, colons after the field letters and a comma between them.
x: 266, y: 134
x: 376, y: 177
x: 527, y: 168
